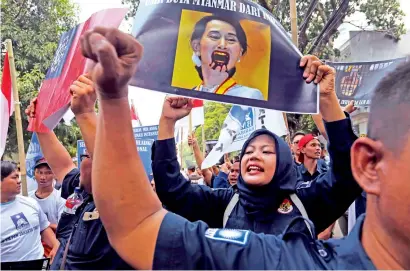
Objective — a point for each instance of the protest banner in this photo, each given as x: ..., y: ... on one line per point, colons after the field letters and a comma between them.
x: 144, y: 136
x: 239, y: 124
x: 34, y: 153
x: 227, y: 51
x: 68, y: 64
x: 357, y: 80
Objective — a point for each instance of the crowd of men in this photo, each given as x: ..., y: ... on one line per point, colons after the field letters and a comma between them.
x: 273, y: 206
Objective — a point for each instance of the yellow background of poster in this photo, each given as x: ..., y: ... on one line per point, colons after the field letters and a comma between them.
x: 253, y: 69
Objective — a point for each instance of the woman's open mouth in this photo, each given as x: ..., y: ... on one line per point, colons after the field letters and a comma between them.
x: 220, y: 58
x: 253, y: 169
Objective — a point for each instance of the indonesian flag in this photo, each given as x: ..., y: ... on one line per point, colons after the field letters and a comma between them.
x: 136, y: 122
x: 197, y: 113
x: 6, y: 104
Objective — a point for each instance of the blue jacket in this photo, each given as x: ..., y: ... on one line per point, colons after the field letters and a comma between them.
x: 325, y: 199
x: 221, y: 181
x: 185, y: 245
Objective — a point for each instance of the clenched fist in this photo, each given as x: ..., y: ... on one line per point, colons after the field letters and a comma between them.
x: 83, y: 95
x: 320, y: 73
x: 175, y: 108
x: 116, y: 56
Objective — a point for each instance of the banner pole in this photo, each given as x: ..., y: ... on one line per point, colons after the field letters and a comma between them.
x: 190, y: 128
x: 293, y: 21
x: 181, y: 145
x: 203, y: 140
x: 294, y: 29
x: 17, y: 117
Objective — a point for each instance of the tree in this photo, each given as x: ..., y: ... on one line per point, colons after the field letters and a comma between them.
x: 35, y: 26
x: 215, y: 114
x: 324, y: 17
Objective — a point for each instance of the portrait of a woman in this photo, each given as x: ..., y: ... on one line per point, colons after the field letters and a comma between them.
x: 218, y: 45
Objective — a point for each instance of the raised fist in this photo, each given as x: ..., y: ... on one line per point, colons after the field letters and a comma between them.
x: 116, y: 56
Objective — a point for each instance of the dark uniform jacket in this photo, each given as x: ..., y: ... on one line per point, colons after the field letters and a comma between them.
x: 194, y: 246
x: 89, y: 245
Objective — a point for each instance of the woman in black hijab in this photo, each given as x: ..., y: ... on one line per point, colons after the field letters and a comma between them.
x: 271, y: 193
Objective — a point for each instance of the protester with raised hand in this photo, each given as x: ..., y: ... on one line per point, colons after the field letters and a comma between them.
x: 265, y: 203
x: 152, y: 238
x: 84, y: 243
x: 206, y: 173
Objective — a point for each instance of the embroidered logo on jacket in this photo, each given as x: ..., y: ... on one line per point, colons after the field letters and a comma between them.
x: 285, y: 207
x: 228, y: 235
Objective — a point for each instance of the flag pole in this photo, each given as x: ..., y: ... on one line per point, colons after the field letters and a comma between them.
x: 180, y: 149
x: 294, y: 29
x: 203, y: 140
x: 190, y: 128
x: 293, y: 21
x: 17, y: 117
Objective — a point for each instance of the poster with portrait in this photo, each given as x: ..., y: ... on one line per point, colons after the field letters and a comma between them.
x: 358, y: 80
x: 230, y: 51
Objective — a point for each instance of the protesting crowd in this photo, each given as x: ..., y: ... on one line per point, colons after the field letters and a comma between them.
x: 280, y: 203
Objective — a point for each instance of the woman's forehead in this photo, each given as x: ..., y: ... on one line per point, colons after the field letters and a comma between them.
x: 262, y: 140
x: 218, y: 25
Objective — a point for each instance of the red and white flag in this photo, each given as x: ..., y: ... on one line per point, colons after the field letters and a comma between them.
x: 6, y: 103
x: 197, y: 113
x: 136, y: 122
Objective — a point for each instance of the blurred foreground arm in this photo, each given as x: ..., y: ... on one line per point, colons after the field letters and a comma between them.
x: 116, y: 55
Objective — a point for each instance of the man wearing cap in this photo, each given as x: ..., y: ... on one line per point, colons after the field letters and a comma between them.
x: 46, y: 195
x: 310, y: 151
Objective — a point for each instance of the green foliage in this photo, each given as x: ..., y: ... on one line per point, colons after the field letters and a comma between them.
x: 300, y: 123
x: 35, y: 27
x: 386, y: 16
x: 215, y: 114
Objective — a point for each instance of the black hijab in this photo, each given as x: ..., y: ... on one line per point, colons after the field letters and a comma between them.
x: 261, y: 202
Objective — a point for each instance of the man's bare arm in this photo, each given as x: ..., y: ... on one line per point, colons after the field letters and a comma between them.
x: 83, y: 99
x: 199, y: 158
x: 129, y: 209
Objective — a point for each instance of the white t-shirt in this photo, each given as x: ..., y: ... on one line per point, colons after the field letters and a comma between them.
x: 52, y: 206
x: 22, y: 221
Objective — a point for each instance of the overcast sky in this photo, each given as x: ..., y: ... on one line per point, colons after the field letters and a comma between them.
x: 149, y: 103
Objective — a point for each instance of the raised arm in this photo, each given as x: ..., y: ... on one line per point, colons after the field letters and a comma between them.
x: 83, y: 99
x: 199, y: 158
x: 328, y: 196
x: 54, y: 152
x: 194, y: 202
x: 134, y: 238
